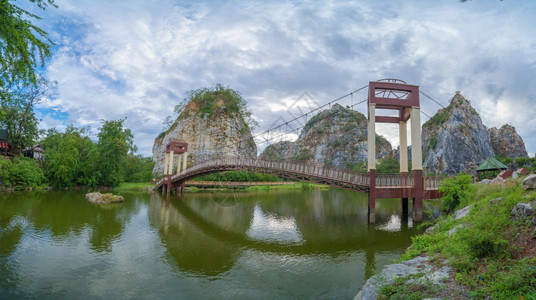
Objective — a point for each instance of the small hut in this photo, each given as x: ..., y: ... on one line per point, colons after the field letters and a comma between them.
x: 490, y: 168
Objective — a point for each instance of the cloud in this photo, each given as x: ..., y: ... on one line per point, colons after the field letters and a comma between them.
x: 137, y: 59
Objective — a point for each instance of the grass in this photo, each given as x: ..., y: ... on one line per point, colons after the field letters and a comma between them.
x: 133, y: 186
x: 491, y: 255
x: 414, y: 286
x: 288, y: 187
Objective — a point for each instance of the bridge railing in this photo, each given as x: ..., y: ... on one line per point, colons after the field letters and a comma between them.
x: 433, y: 182
x: 308, y: 170
x: 385, y: 180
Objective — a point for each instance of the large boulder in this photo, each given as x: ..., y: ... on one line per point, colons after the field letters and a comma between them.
x: 529, y: 183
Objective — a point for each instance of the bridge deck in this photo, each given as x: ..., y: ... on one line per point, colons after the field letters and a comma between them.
x: 385, y: 184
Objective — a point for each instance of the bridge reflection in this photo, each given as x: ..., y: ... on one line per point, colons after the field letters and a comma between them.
x: 207, y: 233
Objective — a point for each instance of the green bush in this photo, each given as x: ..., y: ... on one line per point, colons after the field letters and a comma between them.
x: 456, y: 191
x: 25, y: 172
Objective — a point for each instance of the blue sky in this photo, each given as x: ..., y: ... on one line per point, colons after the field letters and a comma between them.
x: 137, y: 59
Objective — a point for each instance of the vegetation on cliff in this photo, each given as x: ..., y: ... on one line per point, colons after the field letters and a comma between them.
x: 208, y: 101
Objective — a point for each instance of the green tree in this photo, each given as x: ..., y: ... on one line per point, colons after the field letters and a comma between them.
x: 456, y: 191
x: 388, y: 164
x: 115, y: 142
x: 70, y: 158
x: 23, y: 46
x: 18, y: 104
x: 138, y: 168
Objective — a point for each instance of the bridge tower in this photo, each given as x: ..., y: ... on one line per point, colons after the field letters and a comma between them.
x: 394, y: 94
x: 172, y: 148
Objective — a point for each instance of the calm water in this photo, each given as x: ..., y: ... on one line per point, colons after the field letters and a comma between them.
x: 312, y: 244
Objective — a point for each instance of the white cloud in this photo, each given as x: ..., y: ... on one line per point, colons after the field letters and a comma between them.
x: 136, y: 59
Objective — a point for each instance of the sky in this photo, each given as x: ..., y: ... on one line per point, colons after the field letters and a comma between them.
x: 136, y: 60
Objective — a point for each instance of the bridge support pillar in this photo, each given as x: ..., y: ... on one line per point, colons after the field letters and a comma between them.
x: 405, y: 207
x: 416, y: 163
x: 372, y: 197
x: 418, y: 192
x: 184, y: 160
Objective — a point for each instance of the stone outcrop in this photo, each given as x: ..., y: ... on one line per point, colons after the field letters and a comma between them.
x: 337, y: 137
x: 455, y: 140
x: 529, y: 183
x: 417, y: 266
x: 104, y: 198
x: 208, y: 135
x: 506, y: 142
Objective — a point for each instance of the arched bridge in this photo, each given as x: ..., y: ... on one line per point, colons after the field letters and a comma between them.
x: 385, y: 185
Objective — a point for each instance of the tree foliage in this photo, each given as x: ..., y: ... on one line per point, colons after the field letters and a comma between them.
x: 388, y: 165
x: 217, y: 99
x: 115, y: 143
x: 18, y: 118
x: 23, y: 46
x: 20, y: 172
x: 455, y: 191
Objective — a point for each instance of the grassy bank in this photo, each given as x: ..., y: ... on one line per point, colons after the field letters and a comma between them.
x: 490, y: 254
x: 134, y: 186
x: 144, y: 186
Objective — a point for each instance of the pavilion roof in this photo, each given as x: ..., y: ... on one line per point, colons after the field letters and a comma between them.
x: 491, y: 163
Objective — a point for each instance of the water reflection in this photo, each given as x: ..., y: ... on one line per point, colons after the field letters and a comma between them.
x: 299, y: 244
x: 204, y: 237
x: 267, y: 227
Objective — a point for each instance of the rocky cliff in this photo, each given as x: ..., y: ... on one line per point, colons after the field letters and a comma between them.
x: 210, y: 128
x: 337, y: 137
x: 506, y: 142
x: 455, y: 140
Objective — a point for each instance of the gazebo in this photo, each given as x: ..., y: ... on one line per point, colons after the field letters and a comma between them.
x: 490, y: 168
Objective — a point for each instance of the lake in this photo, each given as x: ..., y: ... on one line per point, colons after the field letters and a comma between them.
x: 221, y: 245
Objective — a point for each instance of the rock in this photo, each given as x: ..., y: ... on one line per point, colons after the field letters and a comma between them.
x: 455, y: 228
x: 498, y: 181
x: 522, y: 211
x: 462, y: 213
x: 534, y: 233
x: 208, y: 135
x: 485, y: 181
x: 97, y: 197
x: 496, y: 201
x: 506, y: 142
x: 455, y: 140
x: 529, y: 183
x: 420, y: 264
x: 431, y: 229
x: 337, y: 136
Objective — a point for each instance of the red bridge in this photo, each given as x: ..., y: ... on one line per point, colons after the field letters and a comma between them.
x: 388, y: 94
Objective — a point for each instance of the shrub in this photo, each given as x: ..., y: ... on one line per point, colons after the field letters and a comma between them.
x: 26, y: 172
x: 456, y: 191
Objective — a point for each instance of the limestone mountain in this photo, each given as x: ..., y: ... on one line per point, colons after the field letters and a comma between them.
x: 455, y: 140
x: 337, y: 137
x: 506, y: 142
x: 214, y: 122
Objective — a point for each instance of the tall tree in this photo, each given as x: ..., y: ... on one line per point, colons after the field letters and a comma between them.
x: 114, y: 145
x: 18, y: 106
x: 23, y: 46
